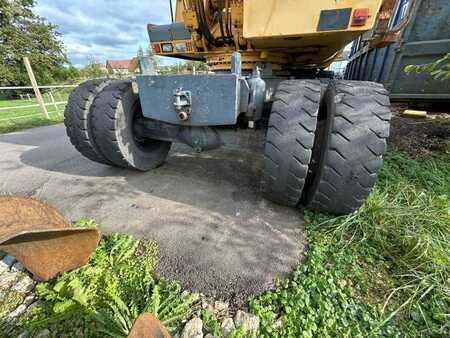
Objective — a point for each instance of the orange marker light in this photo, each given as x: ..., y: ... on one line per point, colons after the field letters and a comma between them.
x: 157, y: 48
x: 360, y: 16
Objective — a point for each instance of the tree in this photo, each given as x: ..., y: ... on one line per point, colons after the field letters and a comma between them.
x: 439, y: 70
x: 67, y: 74
x: 185, y: 67
x: 72, y: 73
x: 92, y: 70
x: 23, y: 33
x: 200, y: 66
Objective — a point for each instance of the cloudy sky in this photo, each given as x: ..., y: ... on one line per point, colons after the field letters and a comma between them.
x: 103, y: 29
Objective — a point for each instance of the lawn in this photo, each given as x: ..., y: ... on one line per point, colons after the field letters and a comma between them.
x: 17, y: 119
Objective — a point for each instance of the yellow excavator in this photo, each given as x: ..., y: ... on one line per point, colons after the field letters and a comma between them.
x: 324, y: 138
x: 288, y: 34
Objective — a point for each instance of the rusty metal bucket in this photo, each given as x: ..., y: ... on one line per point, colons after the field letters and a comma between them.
x: 41, y: 239
x: 148, y: 326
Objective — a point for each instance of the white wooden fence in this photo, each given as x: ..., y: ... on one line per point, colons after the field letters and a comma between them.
x: 37, y: 93
x: 51, y: 102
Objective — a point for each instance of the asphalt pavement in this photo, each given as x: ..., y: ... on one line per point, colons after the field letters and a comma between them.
x: 215, y: 232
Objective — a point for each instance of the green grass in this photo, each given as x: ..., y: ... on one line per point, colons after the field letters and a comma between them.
x: 17, y: 119
x: 210, y: 323
x: 382, y: 271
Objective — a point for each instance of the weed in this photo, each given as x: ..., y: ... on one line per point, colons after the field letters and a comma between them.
x: 9, y: 300
x: 431, y: 174
x: 239, y: 332
x: 211, y: 323
x: 104, y: 298
x: 85, y: 223
x: 320, y: 298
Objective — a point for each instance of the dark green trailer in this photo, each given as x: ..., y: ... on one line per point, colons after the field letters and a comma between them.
x: 424, y: 39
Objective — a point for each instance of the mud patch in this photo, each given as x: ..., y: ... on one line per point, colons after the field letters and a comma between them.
x: 420, y: 137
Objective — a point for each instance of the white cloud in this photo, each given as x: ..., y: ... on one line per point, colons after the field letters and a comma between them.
x: 104, y: 29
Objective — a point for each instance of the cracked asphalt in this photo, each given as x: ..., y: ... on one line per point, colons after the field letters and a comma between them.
x: 215, y: 232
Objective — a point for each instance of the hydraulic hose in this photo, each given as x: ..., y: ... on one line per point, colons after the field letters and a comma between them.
x: 171, y: 10
x: 202, y: 23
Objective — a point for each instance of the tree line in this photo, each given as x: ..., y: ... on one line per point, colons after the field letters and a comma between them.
x: 23, y: 33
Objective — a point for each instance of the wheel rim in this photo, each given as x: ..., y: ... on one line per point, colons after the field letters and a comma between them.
x: 144, y: 144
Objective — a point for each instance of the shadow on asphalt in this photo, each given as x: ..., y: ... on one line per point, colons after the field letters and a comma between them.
x: 215, y: 231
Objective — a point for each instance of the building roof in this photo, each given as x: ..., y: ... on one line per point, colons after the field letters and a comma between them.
x: 123, y: 64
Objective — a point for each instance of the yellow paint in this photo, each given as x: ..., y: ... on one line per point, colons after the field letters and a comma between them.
x: 414, y: 113
x: 283, y: 32
x: 276, y: 18
x: 179, y: 11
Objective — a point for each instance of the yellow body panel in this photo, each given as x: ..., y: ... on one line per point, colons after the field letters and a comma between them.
x: 276, y: 18
x: 283, y: 32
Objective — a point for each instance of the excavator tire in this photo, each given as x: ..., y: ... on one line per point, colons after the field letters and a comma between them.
x: 290, y: 140
x: 115, y: 111
x: 78, y: 119
x: 350, y: 152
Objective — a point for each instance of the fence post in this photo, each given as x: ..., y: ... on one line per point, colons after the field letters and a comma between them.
x: 37, y: 92
x: 52, y: 99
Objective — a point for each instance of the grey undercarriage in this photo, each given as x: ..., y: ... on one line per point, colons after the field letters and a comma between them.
x: 323, y: 139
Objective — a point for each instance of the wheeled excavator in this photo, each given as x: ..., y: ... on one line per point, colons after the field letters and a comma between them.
x: 324, y: 139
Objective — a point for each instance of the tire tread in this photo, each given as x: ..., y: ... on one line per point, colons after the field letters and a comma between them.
x: 78, y: 119
x: 290, y: 139
x: 355, y: 148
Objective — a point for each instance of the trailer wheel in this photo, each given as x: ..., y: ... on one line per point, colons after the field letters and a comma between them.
x: 116, y: 110
x: 290, y: 139
x: 349, y: 152
x: 78, y: 119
